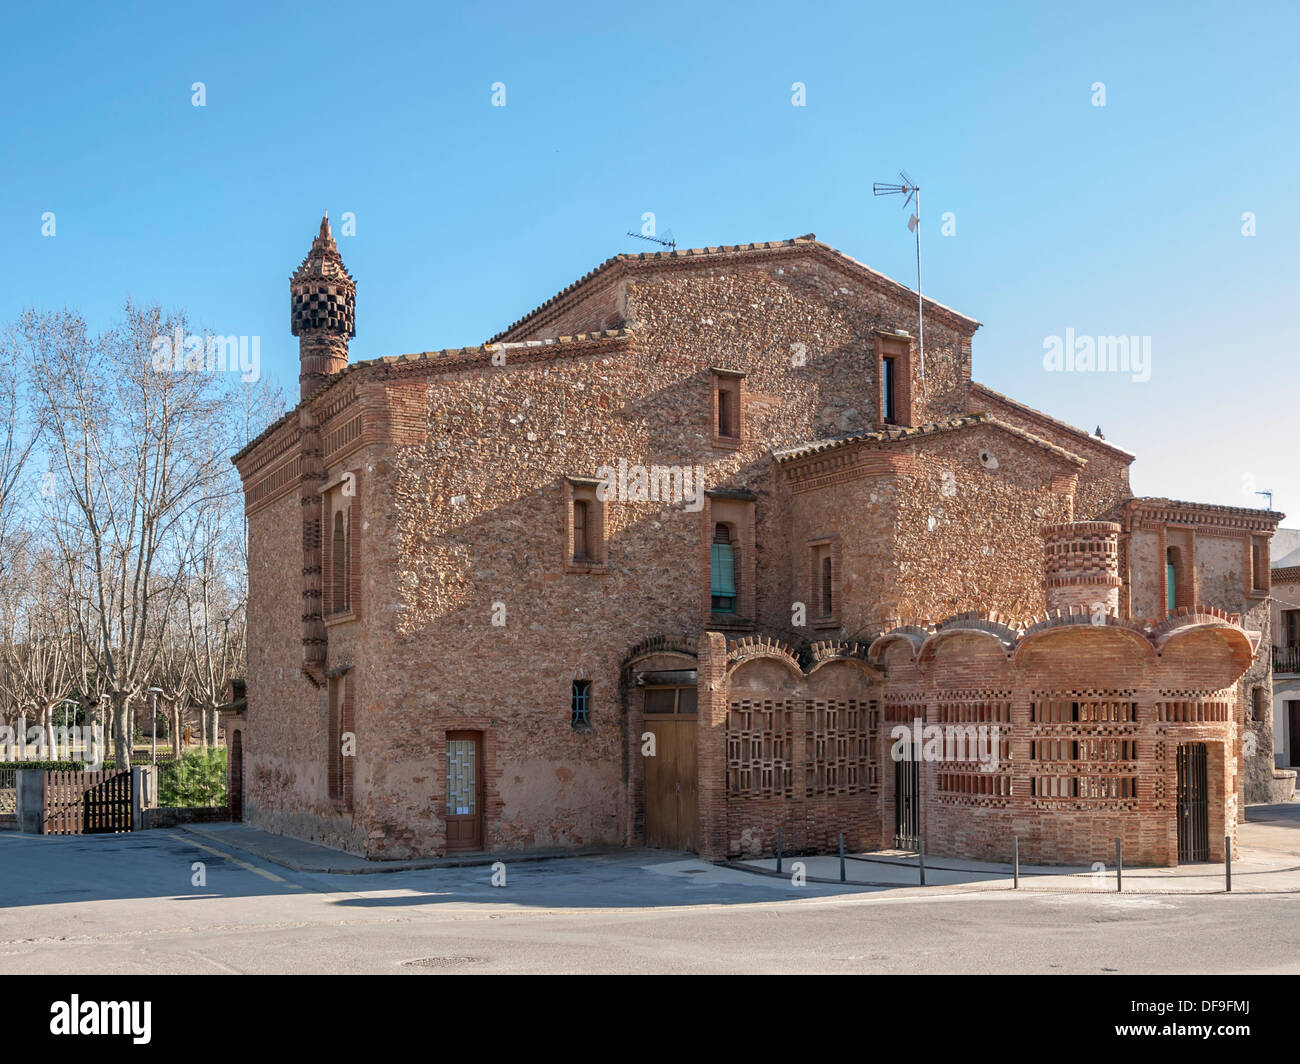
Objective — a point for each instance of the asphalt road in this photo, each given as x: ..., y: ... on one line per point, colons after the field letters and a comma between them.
x: 128, y: 904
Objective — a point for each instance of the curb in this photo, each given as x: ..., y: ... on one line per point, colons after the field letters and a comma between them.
x: 468, y: 861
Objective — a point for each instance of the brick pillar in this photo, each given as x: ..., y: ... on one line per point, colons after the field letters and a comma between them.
x: 711, y: 745
x: 1081, y: 565
x: 798, y: 830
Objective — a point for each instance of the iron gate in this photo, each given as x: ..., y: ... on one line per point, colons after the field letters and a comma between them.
x: 907, y: 800
x: 1193, y: 804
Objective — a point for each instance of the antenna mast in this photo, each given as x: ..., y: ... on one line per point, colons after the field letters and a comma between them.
x: 909, y: 188
x: 667, y: 241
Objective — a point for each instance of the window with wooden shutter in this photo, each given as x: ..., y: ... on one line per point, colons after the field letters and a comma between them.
x: 338, y: 565
x: 581, y: 531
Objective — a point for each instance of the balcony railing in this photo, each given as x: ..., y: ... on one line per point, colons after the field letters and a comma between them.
x: 1286, y: 659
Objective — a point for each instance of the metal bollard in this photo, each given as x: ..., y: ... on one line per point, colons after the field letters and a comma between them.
x: 842, y: 877
x: 1015, y: 862
x: 1119, y: 864
x: 778, y: 851
x: 1227, y: 860
x: 920, y: 852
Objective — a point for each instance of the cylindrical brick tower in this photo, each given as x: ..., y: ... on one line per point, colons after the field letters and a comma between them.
x: 322, y: 309
x: 1082, y: 565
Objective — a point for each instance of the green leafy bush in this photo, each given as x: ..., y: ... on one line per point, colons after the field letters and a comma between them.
x: 197, y: 778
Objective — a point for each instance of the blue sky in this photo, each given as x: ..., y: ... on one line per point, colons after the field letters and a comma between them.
x: 1116, y: 220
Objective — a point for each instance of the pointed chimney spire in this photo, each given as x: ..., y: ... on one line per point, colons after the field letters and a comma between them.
x: 322, y: 311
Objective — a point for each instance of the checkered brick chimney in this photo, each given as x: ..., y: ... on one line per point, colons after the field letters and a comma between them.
x: 1082, y: 565
x: 322, y: 302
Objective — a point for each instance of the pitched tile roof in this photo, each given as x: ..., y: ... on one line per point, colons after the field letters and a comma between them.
x: 798, y: 245
x: 903, y: 435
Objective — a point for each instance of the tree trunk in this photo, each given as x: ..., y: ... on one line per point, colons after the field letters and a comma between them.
x: 47, y: 726
x: 121, y: 737
x: 175, y: 728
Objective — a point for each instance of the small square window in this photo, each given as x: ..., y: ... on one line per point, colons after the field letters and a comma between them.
x: 580, y: 710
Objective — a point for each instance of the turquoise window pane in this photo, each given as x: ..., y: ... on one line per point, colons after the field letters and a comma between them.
x: 724, y: 569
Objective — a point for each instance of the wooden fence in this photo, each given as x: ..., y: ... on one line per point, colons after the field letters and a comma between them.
x: 87, y: 803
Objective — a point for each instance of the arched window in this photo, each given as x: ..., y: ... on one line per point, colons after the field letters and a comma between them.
x: 338, y: 565
x: 723, y: 570
x: 827, y: 604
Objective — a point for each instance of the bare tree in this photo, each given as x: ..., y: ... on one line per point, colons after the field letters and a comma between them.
x: 136, y: 450
x: 19, y: 431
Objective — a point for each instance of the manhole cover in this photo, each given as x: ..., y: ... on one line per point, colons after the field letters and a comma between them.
x: 441, y: 962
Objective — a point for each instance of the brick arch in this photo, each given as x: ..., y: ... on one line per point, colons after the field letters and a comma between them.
x: 660, y: 644
x: 1005, y: 641
x: 912, y: 635
x: 1070, y: 626
x: 1234, y: 640
x: 741, y: 650
x: 781, y: 657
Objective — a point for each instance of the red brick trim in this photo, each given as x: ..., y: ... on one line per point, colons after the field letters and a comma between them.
x: 584, y: 489
x: 899, y: 348
x: 813, y: 554
x: 731, y: 382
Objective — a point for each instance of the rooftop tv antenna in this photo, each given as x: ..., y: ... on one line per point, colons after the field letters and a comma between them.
x: 667, y: 240
x: 909, y: 188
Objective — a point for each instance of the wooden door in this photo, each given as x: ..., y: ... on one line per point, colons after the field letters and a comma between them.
x: 672, y: 816
x: 464, y: 814
x: 237, y: 776
x: 1294, y: 708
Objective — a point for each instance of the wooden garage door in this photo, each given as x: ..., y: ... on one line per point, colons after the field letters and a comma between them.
x: 671, y: 803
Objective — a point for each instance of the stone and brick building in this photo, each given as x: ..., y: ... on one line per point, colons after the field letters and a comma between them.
x: 684, y: 556
x: 1285, y: 597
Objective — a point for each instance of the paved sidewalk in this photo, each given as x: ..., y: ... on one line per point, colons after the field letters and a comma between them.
x: 1268, y: 862
x: 1253, y: 872
x: 302, y: 856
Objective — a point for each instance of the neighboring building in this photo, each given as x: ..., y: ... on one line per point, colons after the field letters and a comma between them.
x: 461, y: 638
x: 1285, y: 626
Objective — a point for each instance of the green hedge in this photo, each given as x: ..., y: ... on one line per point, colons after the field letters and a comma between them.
x: 198, y: 778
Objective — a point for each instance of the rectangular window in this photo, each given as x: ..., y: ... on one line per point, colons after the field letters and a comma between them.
x: 1259, y: 564
x: 580, y: 709
x: 723, y: 571
x: 581, y: 531
x: 821, y: 581
x: 584, y: 525
x: 462, y: 777
x: 726, y: 413
x: 889, y: 391
x: 728, y: 407
x: 674, y: 701
x: 1171, y: 581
